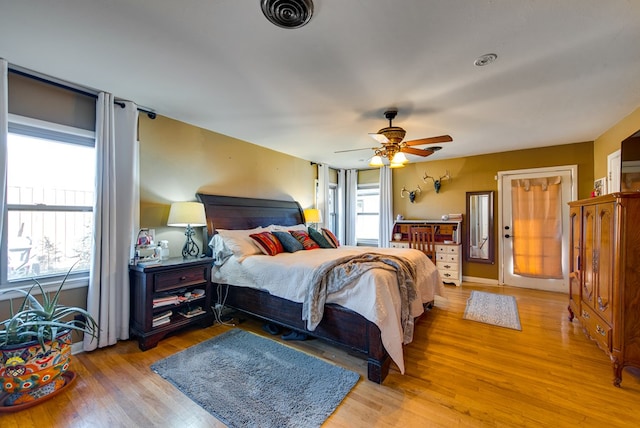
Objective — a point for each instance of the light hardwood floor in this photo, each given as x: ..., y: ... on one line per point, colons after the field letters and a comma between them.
x: 459, y: 373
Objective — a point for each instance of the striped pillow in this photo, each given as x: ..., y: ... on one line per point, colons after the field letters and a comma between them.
x: 330, y: 237
x: 268, y: 244
x: 304, y: 239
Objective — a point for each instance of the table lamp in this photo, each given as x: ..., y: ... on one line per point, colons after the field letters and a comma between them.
x: 313, y: 216
x: 189, y: 215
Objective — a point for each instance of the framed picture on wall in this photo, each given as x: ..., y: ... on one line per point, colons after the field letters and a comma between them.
x: 600, y: 186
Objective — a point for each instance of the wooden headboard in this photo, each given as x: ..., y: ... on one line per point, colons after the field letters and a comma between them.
x: 231, y: 212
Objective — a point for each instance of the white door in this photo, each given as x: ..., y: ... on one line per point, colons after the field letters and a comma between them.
x: 511, y: 273
x: 613, y: 171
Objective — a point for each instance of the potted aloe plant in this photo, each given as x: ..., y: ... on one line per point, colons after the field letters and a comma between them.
x: 35, y: 345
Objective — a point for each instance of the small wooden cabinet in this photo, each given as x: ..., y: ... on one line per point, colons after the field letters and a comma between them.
x: 449, y: 263
x: 169, y: 296
x: 604, y: 278
x: 448, y: 246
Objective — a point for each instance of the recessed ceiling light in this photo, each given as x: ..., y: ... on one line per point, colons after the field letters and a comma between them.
x: 288, y: 13
x: 485, y: 59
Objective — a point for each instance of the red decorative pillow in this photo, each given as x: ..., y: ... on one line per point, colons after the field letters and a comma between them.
x: 329, y: 236
x: 304, y: 239
x: 268, y: 243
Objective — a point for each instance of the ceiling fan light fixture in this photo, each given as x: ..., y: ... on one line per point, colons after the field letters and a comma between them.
x: 376, y: 161
x: 400, y: 158
x: 396, y: 165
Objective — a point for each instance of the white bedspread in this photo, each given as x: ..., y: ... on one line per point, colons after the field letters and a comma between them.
x: 286, y: 275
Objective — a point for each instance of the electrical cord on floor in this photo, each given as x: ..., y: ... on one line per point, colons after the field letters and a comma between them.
x: 218, y: 307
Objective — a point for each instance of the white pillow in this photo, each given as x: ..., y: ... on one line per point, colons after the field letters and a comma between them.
x: 220, y: 250
x: 239, y: 241
x: 280, y: 228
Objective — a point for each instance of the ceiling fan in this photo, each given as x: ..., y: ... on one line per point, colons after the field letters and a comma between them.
x: 393, y: 148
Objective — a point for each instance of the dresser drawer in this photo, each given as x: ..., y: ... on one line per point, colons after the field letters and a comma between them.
x: 399, y: 244
x: 448, y: 249
x: 179, y: 278
x: 597, y: 328
x: 448, y: 275
x: 446, y: 265
x: 447, y: 257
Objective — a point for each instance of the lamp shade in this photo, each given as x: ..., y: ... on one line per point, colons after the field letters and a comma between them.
x: 185, y: 214
x: 376, y: 161
x: 399, y: 157
x: 312, y: 215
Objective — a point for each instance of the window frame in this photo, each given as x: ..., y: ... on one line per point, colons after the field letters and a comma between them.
x: 55, y: 132
x: 364, y: 241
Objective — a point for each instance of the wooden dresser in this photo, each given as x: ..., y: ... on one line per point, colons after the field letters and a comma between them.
x: 448, y: 247
x: 604, y: 278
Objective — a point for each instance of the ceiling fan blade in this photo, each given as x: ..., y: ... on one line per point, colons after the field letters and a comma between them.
x: 352, y: 150
x: 419, y: 152
x: 380, y: 138
x: 430, y: 140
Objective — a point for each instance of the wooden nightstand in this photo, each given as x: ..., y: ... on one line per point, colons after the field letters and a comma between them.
x: 177, y: 286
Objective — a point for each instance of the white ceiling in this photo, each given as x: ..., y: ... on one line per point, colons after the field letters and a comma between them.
x: 566, y: 70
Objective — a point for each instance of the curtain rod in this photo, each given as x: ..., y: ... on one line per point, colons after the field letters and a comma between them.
x: 59, y: 84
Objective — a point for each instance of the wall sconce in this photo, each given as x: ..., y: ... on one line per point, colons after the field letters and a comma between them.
x: 313, y: 216
x: 189, y: 215
x: 412, y: 194
x: 437, y: 183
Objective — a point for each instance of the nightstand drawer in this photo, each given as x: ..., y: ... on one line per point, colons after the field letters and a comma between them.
x: 171, y: 280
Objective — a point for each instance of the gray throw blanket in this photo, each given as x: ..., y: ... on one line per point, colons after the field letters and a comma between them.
x: 334, y: 275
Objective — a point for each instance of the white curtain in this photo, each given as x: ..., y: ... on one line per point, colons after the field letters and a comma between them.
x: 350, y: 191
x: 323, y: 194
x: 4, y: 124
x: 340, y: 224
x: 386, y: 207
x: 115, y: 205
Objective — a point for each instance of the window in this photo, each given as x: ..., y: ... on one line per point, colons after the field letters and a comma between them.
x: 332, y: 223
x: 368, y: 214
x: 50, y: 197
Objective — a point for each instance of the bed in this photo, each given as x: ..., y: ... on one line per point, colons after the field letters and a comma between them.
x: 341, y: 322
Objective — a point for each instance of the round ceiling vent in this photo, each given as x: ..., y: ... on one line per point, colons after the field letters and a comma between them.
x: 288, y: 13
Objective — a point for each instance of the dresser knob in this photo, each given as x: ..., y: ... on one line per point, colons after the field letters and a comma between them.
x: 600, y: 330
x: 182, y: 278
x: 585, y: 314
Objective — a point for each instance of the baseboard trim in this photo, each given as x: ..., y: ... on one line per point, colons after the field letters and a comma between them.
x: 478, y: 280
x: 77, y: 348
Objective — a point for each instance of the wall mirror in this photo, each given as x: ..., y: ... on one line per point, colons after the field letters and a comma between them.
x: 480, y: 245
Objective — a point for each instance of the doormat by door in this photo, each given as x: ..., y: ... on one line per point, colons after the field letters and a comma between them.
x: 494, y: 309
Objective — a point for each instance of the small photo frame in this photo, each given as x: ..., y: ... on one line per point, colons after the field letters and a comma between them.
x: 146, y: 237
x: 600, y: 187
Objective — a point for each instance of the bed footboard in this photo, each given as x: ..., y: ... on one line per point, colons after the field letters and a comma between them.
x: 339, y: 325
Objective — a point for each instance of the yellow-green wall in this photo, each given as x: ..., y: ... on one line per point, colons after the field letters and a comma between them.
x: 178, y: 160
x: 477, y: 173
x: 610, y: 141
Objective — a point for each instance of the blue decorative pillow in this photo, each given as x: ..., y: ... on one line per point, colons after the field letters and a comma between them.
x: 289, y: 243
x: 320, y: 240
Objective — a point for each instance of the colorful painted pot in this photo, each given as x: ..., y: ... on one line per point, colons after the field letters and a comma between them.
x: 29, y: 366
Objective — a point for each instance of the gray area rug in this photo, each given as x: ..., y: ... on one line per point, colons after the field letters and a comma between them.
x: 495, y: 309
x: 246, y: 380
